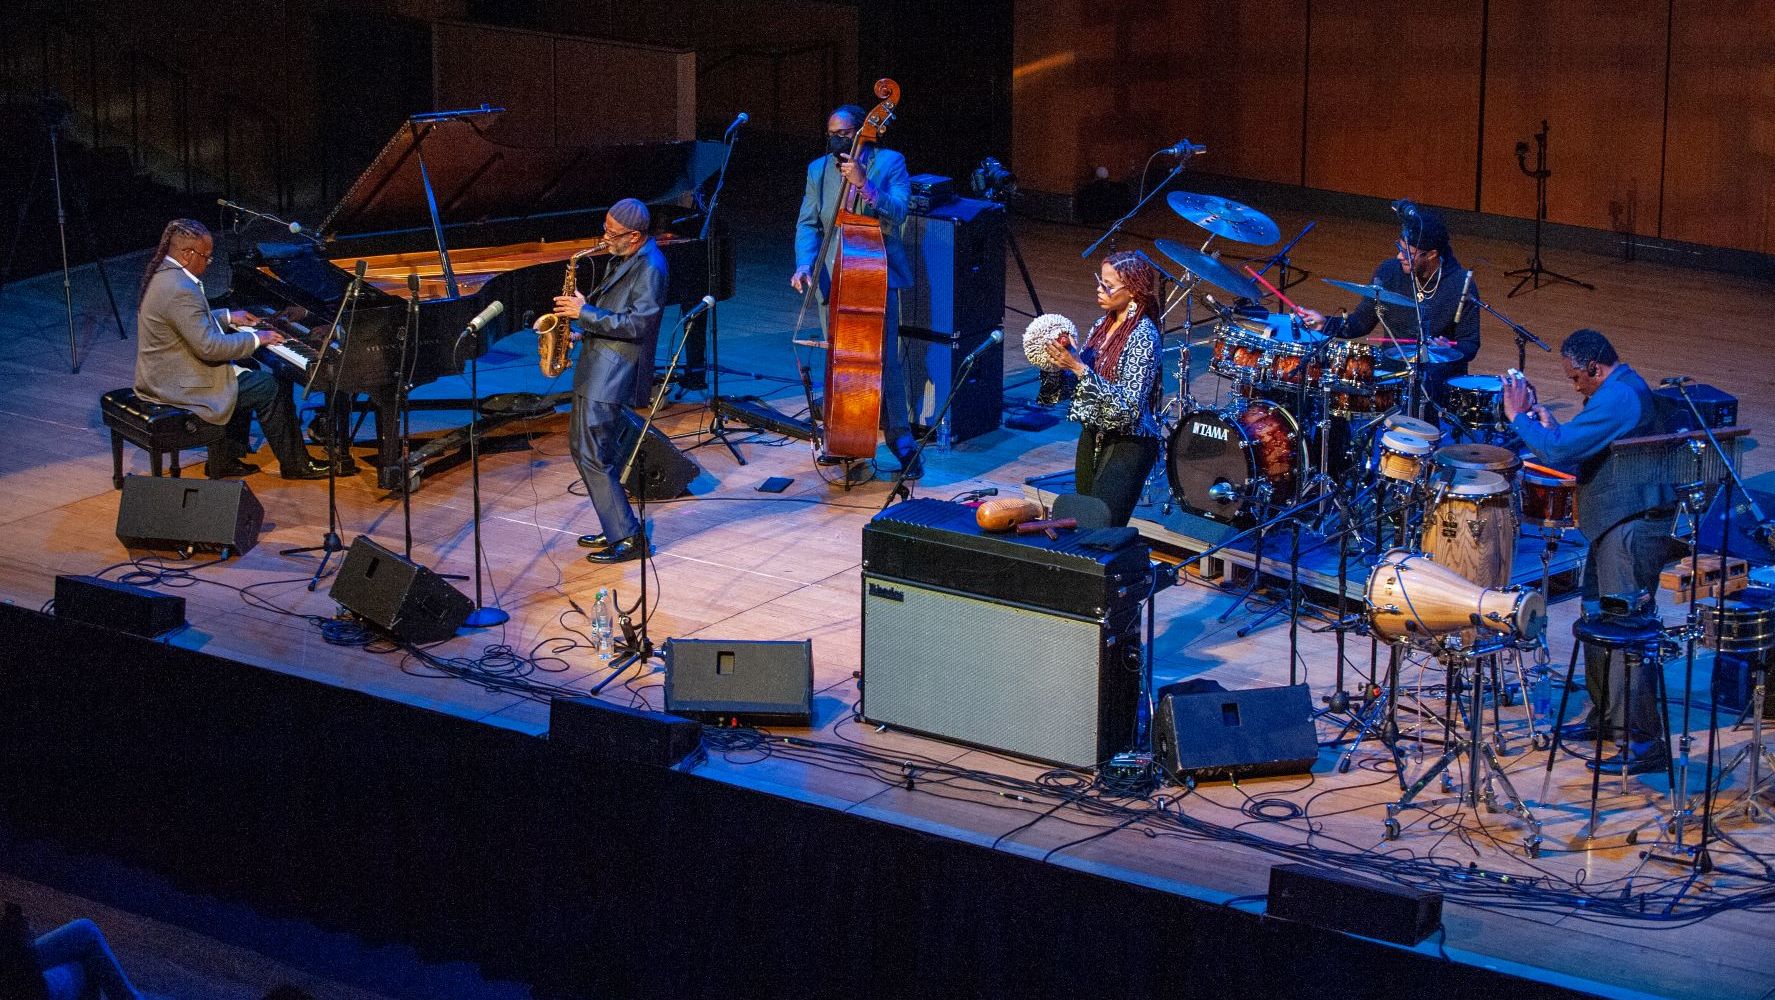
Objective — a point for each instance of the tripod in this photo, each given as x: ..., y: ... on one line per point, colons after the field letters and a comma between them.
x: 718, y: 429
x: 637, y: 647
x: 1534, y: 272
x: 53, y: 112
x: 1484, y: 772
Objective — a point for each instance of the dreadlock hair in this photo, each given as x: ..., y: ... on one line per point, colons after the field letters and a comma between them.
x: 1589, y: 347
x: 1142, y: 280
x: 189, y: 229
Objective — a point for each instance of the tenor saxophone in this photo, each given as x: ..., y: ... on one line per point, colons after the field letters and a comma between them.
x: 552, y: 338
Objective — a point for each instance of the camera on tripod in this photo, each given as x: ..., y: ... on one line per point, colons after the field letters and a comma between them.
x: 990, y: 180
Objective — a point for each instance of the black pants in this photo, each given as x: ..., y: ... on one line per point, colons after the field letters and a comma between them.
x: 262, y: 395
x: 1113, y: 468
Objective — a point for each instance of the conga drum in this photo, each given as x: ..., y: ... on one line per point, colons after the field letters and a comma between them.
x: 1471, y: 526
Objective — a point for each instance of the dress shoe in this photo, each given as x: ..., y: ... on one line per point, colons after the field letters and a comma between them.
x: 232, y: 468
x: 627, y: 550
x: 1582, y: 731
x: 307, y: 470
x: 1641, y: 758
x: 911, y: 460
x: 597, y: 541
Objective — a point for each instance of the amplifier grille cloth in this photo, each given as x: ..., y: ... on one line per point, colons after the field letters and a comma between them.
x: 997, y: 676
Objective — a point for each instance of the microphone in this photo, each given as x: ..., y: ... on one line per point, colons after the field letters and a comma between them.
x: 997, y: 337
x: 1466, y: 286
x: 1184, y: 147
x: 740, y: 119
x: 294, y: 227
x: 704, y: 306
x: 1676, y: 380
x: 413, y: 284
x: 485, y: 316
x: 1223, y: 311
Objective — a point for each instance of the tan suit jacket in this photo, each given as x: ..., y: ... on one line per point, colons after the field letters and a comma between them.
x: 182, y: 352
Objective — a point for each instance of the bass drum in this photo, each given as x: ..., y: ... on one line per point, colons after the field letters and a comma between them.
x: 1222, y: 466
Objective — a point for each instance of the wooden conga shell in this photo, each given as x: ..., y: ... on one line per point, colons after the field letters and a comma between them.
x: 1471, y: 527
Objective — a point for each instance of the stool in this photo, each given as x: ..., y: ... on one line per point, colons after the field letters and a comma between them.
x: 1631, y: 636
x: 156, y: 428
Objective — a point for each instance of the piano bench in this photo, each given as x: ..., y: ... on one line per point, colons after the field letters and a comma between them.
x: 156, y: 428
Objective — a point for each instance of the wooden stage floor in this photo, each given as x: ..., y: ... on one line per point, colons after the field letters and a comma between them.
x: 735, y: 563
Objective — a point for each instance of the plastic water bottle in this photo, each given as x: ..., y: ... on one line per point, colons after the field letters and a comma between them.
x: 1541, y: 696
x: 601, y: 624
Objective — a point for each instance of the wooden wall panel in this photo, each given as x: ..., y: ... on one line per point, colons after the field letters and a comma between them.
x: 1393, y: 99
x: 557, y: 89
x: 1719, y: 175
x: 1595, y: 70
x: 1106, y: 84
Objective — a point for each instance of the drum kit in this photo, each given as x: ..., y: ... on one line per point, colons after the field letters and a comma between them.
x: 1308, y: 427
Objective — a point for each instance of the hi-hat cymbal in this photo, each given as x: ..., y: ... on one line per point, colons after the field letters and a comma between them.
x: 1225, y: 218
x: 1371, y: 292
x: 1209, y: 269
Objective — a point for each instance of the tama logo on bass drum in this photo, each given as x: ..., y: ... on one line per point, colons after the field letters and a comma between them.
x: 1215, y: 431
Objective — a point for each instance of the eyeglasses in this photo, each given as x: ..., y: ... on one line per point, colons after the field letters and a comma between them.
x: 1106, y: 288
x: 841, y: 133
x: 206, y: 255
x: 617, y: 234
x: 1411, y: 252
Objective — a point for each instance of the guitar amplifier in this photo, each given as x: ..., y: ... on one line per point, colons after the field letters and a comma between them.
x: 1018, y: 644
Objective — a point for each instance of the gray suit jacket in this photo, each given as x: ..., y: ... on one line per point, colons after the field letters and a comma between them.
x: 885, y: 172
x: 620, y: 323
x: 182, y: 352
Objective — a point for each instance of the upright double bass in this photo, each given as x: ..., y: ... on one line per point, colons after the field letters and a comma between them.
x: 857, y: 306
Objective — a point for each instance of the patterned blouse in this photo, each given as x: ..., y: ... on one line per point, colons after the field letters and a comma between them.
x: 1126, y: 403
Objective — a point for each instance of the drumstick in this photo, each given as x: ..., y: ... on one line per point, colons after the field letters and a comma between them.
x: 1274, y: 290
x: 1545, y: 471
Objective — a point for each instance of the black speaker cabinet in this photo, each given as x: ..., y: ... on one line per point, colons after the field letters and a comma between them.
x: 754, y: 683
x: 1237, y: 733
x: 933, y: 369
x: 668, y: 472
x: 1340, y: 901
x: 957, y: 253
x: 205, y: 515
x: 604, y: 731
x: 398, y: 596
x: 120, y: 606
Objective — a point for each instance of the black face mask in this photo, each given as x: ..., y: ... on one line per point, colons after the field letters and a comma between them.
x: 836, y: 144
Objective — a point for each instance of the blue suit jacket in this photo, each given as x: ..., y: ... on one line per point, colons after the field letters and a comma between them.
x: 620, y: 328
x: 1622, y: 407
x: 884, y: 171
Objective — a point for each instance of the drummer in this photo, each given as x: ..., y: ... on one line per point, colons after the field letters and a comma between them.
x: 1626, y: 519
x: 1424, y: 270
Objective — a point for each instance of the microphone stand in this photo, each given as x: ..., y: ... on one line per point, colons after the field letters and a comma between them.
x: 1534, y: 271
x: 482, y: 616
x: 330, y: 542
x: 637, y: 647
x: 1523, y: 336
x: 900, y: 489
x: 402, y: 398
x: 1182, y: 162
x: 718, y: 430
x: 1280, y: 259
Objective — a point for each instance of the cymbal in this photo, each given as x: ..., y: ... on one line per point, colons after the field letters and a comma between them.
x: 1372, y: 292
x: 1225, y: 218
x: 1433, y: 354
x: 1209, y: 269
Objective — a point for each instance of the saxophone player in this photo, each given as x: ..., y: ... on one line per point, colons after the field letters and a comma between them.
x: 619, y: 326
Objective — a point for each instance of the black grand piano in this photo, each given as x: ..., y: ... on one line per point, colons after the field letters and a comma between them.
x: 510, y: 217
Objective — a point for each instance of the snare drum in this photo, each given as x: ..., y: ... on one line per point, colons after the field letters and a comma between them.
x: 1549, y: 501
x: 1477, y: 400
x: 1404, y: 456
x: 1471, y: 526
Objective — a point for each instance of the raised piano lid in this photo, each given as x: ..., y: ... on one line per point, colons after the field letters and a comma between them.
x: 482, y: 183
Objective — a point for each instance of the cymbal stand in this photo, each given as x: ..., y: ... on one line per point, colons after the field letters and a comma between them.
x: 718, y: 429
x: 1279, y: 259
x: 1534, y: 271
x: 1484, y: 773
x: 1672, y: 846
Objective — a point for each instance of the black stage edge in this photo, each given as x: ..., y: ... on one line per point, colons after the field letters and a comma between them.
x: 471, y: 842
